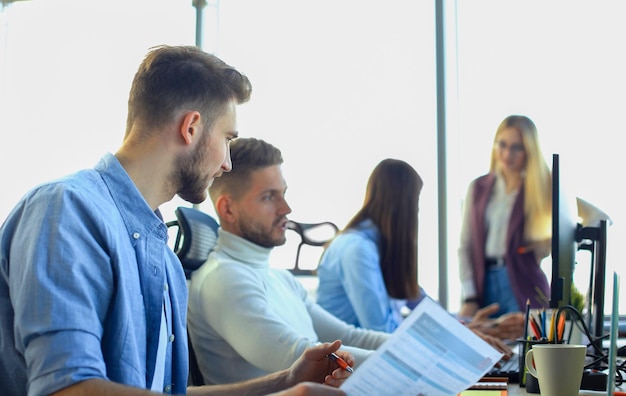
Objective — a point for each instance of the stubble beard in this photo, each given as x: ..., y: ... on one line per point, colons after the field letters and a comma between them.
x: 260, y: 235
x: 192, y: 183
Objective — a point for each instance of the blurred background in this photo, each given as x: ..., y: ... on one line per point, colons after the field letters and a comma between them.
x: 337, y: 86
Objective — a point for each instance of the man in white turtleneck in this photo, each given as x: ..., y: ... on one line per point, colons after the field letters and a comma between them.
x: 246, y: 319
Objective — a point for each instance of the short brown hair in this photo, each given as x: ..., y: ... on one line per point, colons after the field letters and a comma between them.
x: 247, y: 155
x: 172, y: 78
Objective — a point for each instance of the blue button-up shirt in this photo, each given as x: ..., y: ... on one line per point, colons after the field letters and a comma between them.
x: 83, y: 261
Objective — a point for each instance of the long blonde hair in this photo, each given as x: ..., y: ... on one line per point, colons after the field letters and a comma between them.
x: 537, y: 181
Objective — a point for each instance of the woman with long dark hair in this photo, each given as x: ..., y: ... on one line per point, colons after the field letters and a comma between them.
x: 368, y: 273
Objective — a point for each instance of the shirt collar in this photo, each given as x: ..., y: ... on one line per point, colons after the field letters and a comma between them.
x: 138, y: 216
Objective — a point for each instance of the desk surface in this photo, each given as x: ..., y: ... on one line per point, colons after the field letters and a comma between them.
x: 516, y: 390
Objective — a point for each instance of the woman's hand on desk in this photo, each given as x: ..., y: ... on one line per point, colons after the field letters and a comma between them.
x: 506, y: 327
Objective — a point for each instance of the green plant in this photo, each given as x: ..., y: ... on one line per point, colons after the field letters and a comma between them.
x: 577, y: 299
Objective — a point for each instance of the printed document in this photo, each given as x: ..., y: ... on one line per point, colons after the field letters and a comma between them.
x: 430, y: 354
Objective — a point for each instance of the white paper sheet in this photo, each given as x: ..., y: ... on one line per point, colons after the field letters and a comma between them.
x: 430, y: 354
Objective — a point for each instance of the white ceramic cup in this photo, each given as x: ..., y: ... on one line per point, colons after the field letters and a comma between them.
x: 557, y: 367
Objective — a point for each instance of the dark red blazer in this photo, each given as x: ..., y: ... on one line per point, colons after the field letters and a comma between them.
x: 527, y: 279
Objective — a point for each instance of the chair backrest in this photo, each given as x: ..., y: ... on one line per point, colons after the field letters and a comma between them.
x: 196, y: 237
x: 312, y: 234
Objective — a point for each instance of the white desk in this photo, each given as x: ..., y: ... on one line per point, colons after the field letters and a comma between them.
x: 516, y: 390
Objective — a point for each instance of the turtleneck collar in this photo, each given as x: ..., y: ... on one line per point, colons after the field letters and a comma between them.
x: 242, y: 250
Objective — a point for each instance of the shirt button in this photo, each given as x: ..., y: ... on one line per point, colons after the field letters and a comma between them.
x: 172, y: 337
x: 165, y: 287
x: 136, y: 235
x: 167, y: 389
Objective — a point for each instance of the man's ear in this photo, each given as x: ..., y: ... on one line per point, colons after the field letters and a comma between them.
x: 224, y: 209
x: 191, y: 126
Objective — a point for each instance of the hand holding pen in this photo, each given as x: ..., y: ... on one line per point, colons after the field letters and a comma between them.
x: 340, y: 362
x: 317, y: 365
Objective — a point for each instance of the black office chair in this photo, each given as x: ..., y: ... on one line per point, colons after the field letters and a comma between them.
x: 312, y: 234
x: 196, y: 237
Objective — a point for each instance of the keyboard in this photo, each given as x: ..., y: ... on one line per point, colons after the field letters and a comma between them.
x: 508, y: 368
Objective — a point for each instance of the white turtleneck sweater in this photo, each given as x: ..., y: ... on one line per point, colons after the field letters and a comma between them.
x: 246, y: 319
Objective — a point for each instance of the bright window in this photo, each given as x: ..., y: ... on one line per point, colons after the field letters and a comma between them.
x: 338, y: 86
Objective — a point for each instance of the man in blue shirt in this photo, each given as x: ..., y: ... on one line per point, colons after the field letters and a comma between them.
x: 92, y: 299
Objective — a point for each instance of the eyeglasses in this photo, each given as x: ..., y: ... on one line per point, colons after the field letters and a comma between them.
x: 513, y: 148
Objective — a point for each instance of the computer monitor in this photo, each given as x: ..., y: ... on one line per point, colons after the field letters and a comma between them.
x: 566, y: 234
x: 564, y: 228
x: 598, y: 236
x: 614, y: 334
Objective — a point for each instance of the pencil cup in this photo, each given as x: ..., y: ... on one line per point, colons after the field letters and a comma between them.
x: 573, y: 334
x: 525, y: 379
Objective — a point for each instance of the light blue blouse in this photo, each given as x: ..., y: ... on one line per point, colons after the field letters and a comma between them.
x: 351, y: 284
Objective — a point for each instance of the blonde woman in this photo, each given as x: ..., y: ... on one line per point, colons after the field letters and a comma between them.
x: 506, y: 228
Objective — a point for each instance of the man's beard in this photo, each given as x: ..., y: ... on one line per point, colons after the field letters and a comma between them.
x: 258, y: 235
x: 192, y: 183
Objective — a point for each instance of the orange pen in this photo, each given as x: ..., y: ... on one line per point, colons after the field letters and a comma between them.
x: 340, y: 362
x: 560, y: 327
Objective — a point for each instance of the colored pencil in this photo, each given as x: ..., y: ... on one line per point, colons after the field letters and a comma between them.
x: 561, y: 327
x: 527, y: 318
x: 551, y: 330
